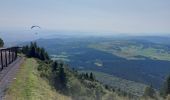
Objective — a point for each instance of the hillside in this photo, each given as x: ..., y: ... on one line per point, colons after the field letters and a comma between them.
x: 28, y: 85
x: 130, y: 58
x: 118, y: 83
x: 44, y: 79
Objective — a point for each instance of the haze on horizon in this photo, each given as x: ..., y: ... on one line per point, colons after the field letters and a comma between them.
x: 114, y: 16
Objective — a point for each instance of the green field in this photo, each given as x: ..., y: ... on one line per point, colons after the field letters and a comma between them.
x: 61, y: 57
x: 132, y: 50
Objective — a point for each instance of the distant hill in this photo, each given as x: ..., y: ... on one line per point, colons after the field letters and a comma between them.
x: 154, y: 39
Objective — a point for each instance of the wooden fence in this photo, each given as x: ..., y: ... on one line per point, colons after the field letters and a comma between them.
x: 7, y: 56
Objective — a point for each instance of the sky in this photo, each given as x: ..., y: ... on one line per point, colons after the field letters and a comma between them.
x: 114, y: 16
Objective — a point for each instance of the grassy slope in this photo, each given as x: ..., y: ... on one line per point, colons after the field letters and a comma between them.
x: 124, y: 85
x: 30, y: 86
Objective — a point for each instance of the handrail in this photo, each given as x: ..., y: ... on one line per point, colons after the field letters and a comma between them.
x: 10, y: 48
x: 7, y: 56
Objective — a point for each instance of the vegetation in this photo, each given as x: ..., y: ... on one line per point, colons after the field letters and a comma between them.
x: 124, y: 85
x: 166, y: 88
x: 134, y: 50
x: 29, y: 85
x: 65, y: 80
x: 150, y: 92
x: 42, y: 78
x: 82, y: 54
x: 69, y: 82
x: 87, y: 76
x: 33, y: 50
x: 1, y: 43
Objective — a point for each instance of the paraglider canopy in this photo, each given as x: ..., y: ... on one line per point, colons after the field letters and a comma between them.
x: 32, y: 27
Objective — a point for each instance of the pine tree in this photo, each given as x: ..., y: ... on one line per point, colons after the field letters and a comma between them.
x: 62, y: 77
x: 61, y: 64
x: 42, y: 56
x: 92, y: 76
x: 38, y: 50
x: 46, y: 56
x: 55, y: 66
x: 32, y: 50
x: 86, y: 76
x: 25, y: 49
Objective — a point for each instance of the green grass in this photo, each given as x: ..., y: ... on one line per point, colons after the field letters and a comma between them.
x: 30, y: 86
x: 130, y: 50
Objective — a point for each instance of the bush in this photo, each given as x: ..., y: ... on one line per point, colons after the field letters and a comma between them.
x: 1, y: 43
x: 166, y: 87
x: 149, y: 92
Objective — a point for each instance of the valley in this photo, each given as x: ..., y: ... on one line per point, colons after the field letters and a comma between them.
x: 135, y: 60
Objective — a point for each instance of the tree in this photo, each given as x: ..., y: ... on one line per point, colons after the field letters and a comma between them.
x: 46, y: 56
x: 38, y: 50
x: 54, y: 66
x: 1, y: 43
x: 86, y: 76
x: 62, y: 77
x: 92, y: 76
x: 166, y: 87
x: 42, y: 52
x: 33, y: 50
x: 25, y: 49
x: 61, y: 64
x: 149, y: 92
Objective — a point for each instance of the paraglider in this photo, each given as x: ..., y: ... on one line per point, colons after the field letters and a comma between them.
x: 35, y: 27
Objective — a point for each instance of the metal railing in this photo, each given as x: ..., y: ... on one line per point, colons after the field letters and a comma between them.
x: 7, y: 56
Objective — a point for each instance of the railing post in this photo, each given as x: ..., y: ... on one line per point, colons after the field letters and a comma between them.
x: 9, y: 55
x: 6, y: 59
x: 16, y: 53
x: 12, y: 54
x: 2, y: 65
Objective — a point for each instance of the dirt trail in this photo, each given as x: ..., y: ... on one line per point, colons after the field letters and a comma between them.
x: 8, y: 74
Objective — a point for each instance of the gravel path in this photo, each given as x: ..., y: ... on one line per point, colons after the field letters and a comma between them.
x: 8, y: 74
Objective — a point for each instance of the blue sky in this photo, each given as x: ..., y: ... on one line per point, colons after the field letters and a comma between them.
x: 117, y: 16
